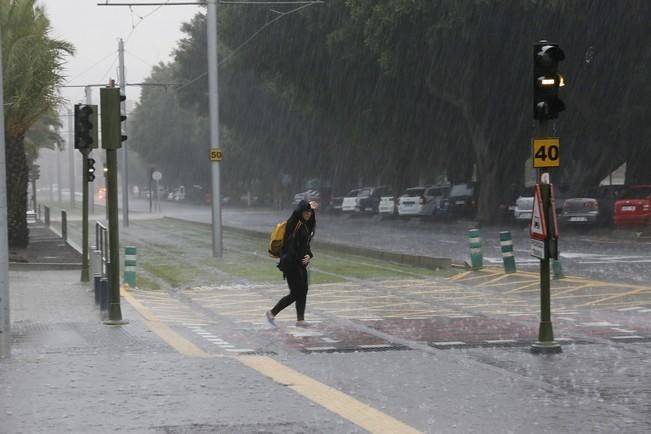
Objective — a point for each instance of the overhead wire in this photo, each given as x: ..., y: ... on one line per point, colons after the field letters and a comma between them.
x: 249, y: 39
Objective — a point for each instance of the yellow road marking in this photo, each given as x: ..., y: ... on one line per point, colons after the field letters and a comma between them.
x: 612, y: 297
x: 460, y: 275
x: 497, y: 279
x: 520, y: 288
x: 337, y: 402
x: 567, y: 290
x: 495, y: 285
x: 173, y: 339
x: 480, y: 276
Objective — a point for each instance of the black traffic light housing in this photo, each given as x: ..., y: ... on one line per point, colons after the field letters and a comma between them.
x: 547, y: 80
x: 90, y: 170
x: 35, y: 172
x: 112, y: 117
x: 85, y: 126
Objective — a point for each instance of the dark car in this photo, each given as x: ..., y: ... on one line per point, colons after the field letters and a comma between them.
x: 594, y: 208
x: 461, y: 201
x: 369, y: 198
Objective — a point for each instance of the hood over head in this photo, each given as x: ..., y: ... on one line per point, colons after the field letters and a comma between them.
x: 297, y: 214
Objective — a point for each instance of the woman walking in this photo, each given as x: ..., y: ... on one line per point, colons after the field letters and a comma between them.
x: 295, y: 258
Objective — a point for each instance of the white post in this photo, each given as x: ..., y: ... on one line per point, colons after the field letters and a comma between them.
x: 213, y: 93
x: 71, y: 157
x: 5, y: 325
x: 125, y: 170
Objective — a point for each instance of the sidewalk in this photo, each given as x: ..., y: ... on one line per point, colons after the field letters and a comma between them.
x: 69, y: 372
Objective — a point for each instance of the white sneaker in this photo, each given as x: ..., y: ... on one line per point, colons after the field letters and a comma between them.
x: 270, y: 318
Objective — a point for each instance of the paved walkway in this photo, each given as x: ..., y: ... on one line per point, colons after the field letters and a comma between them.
x: 69, y: 372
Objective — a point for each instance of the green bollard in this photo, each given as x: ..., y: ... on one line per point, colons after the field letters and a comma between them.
x: 129, y: 276
x: 557, y: 270
x: 476, y: 257
x: 507, y: 252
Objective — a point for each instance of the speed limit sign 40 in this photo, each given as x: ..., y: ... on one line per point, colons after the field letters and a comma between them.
x: 546, y: 152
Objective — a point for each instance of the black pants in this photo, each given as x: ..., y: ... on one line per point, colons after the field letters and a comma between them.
x: 297, y: 281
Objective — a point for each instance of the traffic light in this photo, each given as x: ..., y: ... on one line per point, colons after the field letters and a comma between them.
x: 85, y: 126
x: 90, y: 169
x: 112, y: 117
x: 547, y: 80
x: 35, y: 172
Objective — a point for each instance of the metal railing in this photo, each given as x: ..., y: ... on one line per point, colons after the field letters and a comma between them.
x: 102, y: 244
x: 102, y: 266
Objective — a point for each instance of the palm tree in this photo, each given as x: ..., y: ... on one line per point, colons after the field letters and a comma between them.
x: 32, y: 63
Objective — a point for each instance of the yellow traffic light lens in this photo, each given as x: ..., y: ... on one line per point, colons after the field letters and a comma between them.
x: 561, y: 82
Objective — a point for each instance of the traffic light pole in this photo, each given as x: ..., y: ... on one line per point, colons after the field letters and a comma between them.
x: 125, y: 169
x: 546, y: 343
x: 84, y: 216
x: 115, y: 311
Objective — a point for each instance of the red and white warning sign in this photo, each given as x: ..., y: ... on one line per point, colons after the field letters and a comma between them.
x: 538, y: 228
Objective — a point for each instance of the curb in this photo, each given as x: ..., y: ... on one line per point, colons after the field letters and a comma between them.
x: 402, y: 258
x: 43, y: 266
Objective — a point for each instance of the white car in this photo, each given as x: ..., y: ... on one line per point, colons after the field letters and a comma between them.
x: 523, y: 208
x: 422, y: 201
x: 387, y: 205
x: 351, y: 202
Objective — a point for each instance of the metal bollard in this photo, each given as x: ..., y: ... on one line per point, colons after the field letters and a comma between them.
x: 47, y: 216
x: 64, y: 225
x: 104, y: 294
x: 476, y: 257
x: 557, y: 270
x: 97, y: 282
x: 129, y: 275
x: 506, y: 244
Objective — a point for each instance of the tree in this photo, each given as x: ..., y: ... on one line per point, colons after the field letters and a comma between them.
x: 32, y: 63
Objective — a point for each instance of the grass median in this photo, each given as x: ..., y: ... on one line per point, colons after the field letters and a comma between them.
x: 178, y: 254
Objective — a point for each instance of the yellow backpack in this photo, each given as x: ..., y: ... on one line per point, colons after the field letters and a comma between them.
x: 277, y: 238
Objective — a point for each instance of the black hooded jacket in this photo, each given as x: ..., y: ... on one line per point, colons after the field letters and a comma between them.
x: 298, y: 234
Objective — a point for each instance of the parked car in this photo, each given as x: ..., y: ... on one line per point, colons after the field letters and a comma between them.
x: 524, y: 207
x: 596, y: 208
x: 369, y: 198
x: 461, y: 201
x: 306, y: 195
x: 607, y: 195
x: 633, y: 208
x: 388, y: 205
x: 580, y: 211
x: 335, y: 204
x: 422, y: 201
x: 351, y: 202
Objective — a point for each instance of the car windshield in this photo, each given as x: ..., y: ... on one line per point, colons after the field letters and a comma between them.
x: 637, y: 193
x: 437, y: 191
x: 414, y: 192
x: 364, y: 192
x: 461, y: 190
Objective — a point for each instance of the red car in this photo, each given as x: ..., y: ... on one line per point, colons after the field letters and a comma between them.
x: 633, y: 208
